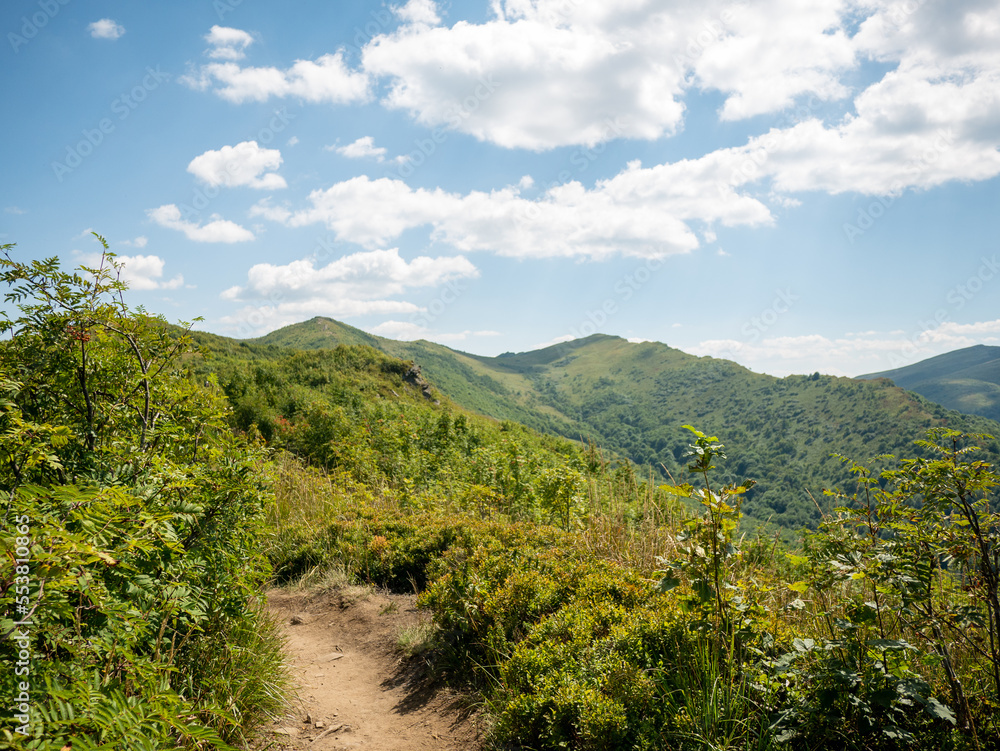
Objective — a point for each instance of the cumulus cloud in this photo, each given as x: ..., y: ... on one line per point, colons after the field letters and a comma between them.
x: 139, y: 272
x: 245, y: 163
x: 357, y: 284
x: 640, y: 212
x: 540, y: 74
x: 524, y: 80
x: 765, y: 55
x: 327, y: 80
x: 424, y: 12
x: 105, y: 29
x: 217, y: 230
x: 547, y: 73
x: 363, y: 148
x: 227, y: 44
x: 139, y: 242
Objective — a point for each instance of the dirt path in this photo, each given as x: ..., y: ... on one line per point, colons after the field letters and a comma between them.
x: 355, y: 688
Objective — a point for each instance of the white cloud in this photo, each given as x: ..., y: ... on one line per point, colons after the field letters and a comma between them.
x: 934, y: 117
x: 327, y: 80
x: 139, y: 242
x: 362, y: 148
x: 404, y: 331
x: 852, y: 353
x: 540, y: 74
x: 139, y: 272
x: 353, y: 285
x: 293, y: 141
x: 217, y: 230
x: 461, y: 336
x: 227, y: 43
x: 547, y: 73
x: 245, y: 163
x: 105, y: 29
x: 16, y: 210
x: 408, y: 331
x: 640, y: 212
x: 765, y: 55
x: 419, y: 12
x: 526, y: 82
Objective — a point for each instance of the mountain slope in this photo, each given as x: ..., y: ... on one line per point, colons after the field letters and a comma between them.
x: 967, y: 380
x: 633, y: 399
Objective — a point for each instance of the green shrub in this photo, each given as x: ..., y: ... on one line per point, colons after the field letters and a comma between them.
x: 131, y: 530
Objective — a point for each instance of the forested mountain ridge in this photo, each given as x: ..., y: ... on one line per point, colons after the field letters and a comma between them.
x: 967, y: 380
x: 633, y: 399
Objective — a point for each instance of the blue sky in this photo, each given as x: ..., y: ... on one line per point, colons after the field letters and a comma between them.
x: 794, y: 186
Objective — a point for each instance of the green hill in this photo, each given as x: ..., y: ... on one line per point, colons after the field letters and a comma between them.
x: 633, y: 399
x: 967, y: 380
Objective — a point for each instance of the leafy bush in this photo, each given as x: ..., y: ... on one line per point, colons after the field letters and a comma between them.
x: 131, y: 529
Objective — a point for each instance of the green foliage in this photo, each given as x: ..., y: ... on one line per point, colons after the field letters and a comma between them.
x: 735, y: 646
x: 708, y: 542
x: 356, y: 412
x: 632, y: 399
x: 591, y: 609
x: 130, y: 528
x: 915, y: 552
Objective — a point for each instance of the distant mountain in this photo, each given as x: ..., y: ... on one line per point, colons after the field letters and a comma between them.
x: 967, y: 380
x: 633, y: 399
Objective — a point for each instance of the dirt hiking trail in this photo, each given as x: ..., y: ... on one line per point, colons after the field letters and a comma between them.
x: 355, y: 689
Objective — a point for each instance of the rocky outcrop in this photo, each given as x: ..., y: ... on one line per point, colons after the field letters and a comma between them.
x: 414, y: 377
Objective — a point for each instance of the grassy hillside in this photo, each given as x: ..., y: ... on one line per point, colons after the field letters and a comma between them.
x: 967, y: 380
x: 583, y: 608
x: 633, y: 399
x: 639, y: 623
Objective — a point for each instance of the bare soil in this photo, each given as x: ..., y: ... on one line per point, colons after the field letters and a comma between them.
x: 356, y: 690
